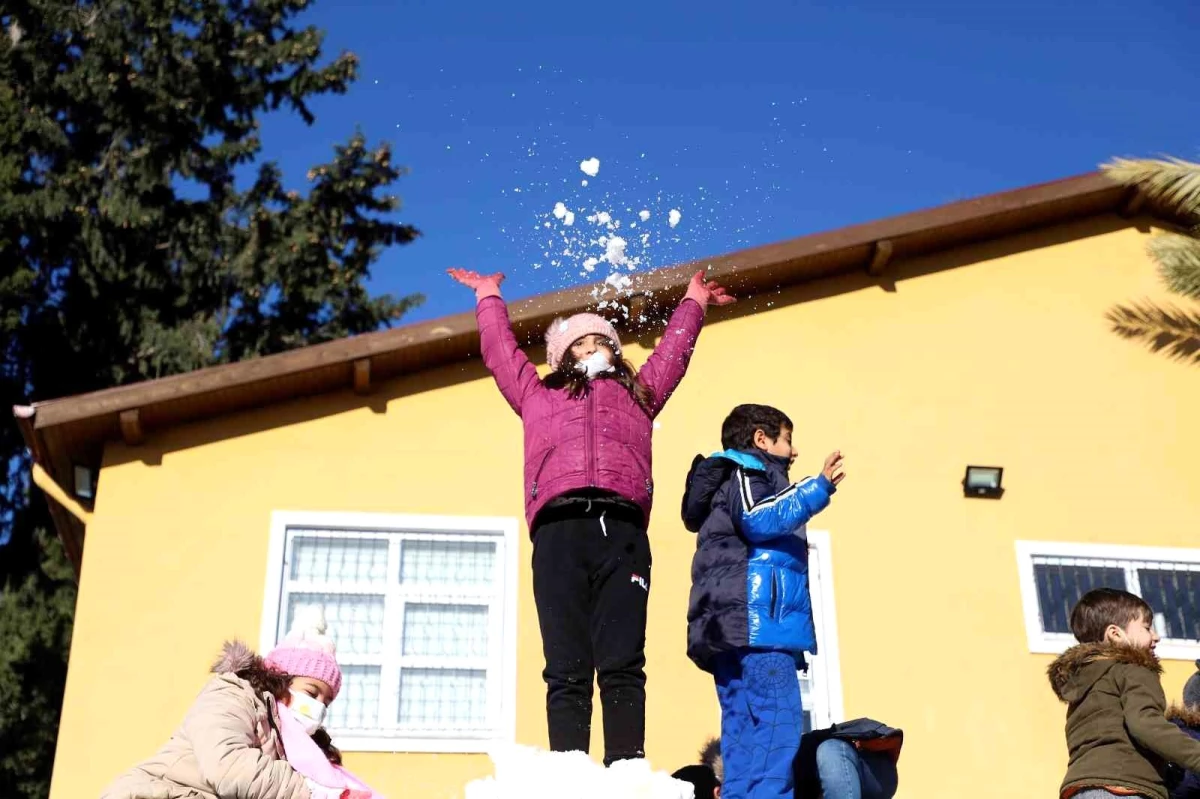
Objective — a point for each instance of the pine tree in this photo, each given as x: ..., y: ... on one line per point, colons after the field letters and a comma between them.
x: 141, y: 236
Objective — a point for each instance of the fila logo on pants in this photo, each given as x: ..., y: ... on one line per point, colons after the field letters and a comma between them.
x: 640, y: 580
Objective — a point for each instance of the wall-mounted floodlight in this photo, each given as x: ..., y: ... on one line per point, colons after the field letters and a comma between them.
x: 983, y: 481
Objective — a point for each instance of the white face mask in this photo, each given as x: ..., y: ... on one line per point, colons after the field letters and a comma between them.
x: 595, y: 364
x: 307, y: 710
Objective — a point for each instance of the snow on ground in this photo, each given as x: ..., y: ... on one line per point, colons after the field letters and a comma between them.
x: 523, y: 772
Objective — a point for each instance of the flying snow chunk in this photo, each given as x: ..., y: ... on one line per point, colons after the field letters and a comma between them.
x: 644, y: 215
x: 590, y: 167
x: 614, y: 251
x: 590, y: 264
x: 673, y: 217
x: 618, y: 281
x: 527, y: 773
x: 561, y: 212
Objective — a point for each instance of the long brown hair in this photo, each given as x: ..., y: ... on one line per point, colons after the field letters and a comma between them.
x: 266, y: 680
x: 568, y: 377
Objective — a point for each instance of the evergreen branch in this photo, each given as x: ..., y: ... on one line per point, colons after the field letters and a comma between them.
x: 1171, y: 181
x: 1178, y: 259
x: 111, y: 271
x: 1163, y: 329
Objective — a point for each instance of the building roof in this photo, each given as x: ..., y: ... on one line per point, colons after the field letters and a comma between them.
x: 63, y: 433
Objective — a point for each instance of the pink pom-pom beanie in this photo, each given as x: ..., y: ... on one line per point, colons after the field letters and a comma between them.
x: 562, y: 333
x: 307, y: 652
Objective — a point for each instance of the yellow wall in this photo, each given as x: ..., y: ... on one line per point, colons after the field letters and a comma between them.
x: 1006, y: 361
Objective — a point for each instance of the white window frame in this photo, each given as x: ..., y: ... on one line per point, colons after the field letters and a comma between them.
x: 504, y: 530
x: 824, y: 667
x: 1041, y: 642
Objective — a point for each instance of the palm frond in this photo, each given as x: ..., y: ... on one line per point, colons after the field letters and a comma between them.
x: 1163, y: 329
x: 1171, y: 181
x: 1178, y: 259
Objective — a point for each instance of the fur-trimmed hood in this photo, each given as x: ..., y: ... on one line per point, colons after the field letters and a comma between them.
x: 1075, y: 671
x: 236, y: 656
x: 238, y: 662
x: 1186, y: 716
x: 710, y: 756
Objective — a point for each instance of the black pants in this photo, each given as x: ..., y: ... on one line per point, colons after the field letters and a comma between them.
x: 591, y: 583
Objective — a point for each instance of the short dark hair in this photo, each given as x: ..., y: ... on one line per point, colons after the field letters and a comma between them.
x: 702, y: 778
x: 737, y: 432
x: 1100, y: 607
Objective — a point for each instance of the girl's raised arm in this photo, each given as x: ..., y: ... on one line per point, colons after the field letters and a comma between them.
x: 666, y: 366
x: 515, y: 375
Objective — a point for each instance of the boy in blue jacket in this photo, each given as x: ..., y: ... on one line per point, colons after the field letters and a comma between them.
x: 749, y: 616
x: 1182, y: 783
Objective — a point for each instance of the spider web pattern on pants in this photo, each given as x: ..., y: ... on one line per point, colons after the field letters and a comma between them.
x: 760, y: 746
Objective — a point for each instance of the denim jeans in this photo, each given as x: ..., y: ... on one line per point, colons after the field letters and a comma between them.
x: 1100, y: 793
x: 847, y: 773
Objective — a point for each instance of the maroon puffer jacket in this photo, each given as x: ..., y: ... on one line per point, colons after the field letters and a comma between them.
x: 601, y: 440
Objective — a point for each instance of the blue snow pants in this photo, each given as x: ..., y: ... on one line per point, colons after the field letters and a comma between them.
x: 761, y: 723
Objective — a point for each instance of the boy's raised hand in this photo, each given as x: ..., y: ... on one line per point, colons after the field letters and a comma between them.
x: 482, y: 285
x: 833, y: 470
x: 707, y: 292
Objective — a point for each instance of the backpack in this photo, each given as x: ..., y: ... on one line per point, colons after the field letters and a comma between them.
x: 868, y: 734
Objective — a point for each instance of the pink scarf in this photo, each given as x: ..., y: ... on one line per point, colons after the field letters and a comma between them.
x: 306, y: 757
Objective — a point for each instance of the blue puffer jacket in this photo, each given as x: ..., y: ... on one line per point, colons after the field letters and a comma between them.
x: 750, y: 571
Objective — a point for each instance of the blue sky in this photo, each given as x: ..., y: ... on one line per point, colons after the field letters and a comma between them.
x: 759, y: 122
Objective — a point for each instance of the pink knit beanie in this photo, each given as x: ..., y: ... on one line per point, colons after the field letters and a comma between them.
x: 562, y: 333
x: 307, y: 652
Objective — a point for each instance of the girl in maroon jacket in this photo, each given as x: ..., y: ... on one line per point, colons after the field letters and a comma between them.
x: 588, y: 492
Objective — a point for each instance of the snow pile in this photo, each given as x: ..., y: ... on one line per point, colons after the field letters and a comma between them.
x: 527, y: 773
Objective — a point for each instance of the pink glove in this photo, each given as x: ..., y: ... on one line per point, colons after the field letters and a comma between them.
x: 482, y: 285
x: 707, y: 293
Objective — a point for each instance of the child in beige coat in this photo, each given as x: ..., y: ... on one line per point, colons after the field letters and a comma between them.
x: 229, y: 744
